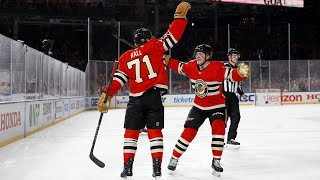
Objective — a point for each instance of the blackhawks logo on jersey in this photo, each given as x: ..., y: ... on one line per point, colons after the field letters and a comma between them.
x: 201, y: 88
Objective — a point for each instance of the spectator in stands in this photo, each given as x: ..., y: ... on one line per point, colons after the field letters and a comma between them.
x: 5, y: 84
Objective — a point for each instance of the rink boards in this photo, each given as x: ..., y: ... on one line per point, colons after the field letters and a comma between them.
x: 181, y: 100
x: 20, y: 119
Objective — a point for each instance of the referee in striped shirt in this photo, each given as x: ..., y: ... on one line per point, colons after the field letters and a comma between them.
x: 230, y: 89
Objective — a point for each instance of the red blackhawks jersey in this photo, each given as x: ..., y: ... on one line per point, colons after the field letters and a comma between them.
x: 143, y: 66
x: 207, y: 84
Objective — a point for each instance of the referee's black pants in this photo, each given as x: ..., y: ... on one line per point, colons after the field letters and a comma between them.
x: 233, y: 112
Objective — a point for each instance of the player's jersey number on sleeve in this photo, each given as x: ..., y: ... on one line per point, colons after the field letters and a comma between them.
x: 137, y: 64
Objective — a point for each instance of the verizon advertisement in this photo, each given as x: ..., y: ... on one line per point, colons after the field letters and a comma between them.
x: 287, y: 3
x: 11, y: 120
x: 295, y: 98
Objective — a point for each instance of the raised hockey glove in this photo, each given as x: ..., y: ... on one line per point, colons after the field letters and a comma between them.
x: 166, y: 59
x: 243, y: 70
x: 103, y: 107
x: 244, y: 98
x: 181, y: 11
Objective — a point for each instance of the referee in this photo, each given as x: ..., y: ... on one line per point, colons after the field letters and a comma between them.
x: 230, y: 89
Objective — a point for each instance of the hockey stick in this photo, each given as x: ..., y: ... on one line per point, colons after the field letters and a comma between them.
x: 123, y: 40
x: 92, y: 157
x: 114, y: 31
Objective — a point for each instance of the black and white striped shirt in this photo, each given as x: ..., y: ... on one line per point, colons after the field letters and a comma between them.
x: 231, y: 86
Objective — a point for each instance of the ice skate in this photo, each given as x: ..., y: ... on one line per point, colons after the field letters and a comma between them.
x: 233, y: 144
x: 173, y: 164
x: 156, y: 168
x: 216, y: 166
x: 127, y: 169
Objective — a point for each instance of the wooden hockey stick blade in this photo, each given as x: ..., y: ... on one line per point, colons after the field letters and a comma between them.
x: 96, y: 161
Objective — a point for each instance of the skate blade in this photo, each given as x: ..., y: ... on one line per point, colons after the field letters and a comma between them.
x: 232, y: 146
x: 128, y: 178
x: 170, y: 171
x: 157, y: 178
x: 215, y: 173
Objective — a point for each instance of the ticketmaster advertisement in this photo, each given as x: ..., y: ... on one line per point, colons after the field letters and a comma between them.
x: 177, y: 100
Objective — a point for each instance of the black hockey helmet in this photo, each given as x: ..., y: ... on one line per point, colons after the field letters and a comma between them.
x: 141, y: 35
x: 205, y: 48
x: 233, y: 51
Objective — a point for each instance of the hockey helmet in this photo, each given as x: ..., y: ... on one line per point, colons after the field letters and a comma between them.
x: 141, y: 35
x: 205, y: 48
x: 233, y: 51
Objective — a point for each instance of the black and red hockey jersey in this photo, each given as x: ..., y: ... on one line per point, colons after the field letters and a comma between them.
x: 143, y: 66
x: 207, y: 84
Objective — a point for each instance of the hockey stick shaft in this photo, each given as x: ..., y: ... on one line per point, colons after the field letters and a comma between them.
x: 92, y: 157
x: 123, y: 40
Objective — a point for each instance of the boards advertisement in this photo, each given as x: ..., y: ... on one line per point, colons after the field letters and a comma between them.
x: 11, y: 120
x: 38, y: 114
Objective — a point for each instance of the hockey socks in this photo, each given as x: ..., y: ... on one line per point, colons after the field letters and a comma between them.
x: 130, y: 144
x: 185, y: 139
x: 156, y: 143
x: 217, y: 143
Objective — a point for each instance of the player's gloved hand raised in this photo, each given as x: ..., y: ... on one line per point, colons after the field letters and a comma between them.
x: 243, y: 70
x: 103, y: 107
x: 166, y: 59
x: 182, y: 10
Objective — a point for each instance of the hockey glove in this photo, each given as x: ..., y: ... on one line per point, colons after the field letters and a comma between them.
x: 181, y: 11
x: 103, y: 107
x: 166, y: 59
x: 243, y: 70
x: 244, y: 98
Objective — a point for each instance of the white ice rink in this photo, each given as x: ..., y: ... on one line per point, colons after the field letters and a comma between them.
x: 279, y: 142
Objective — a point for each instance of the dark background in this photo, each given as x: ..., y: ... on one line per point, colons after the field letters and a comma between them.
x: 252, y: 27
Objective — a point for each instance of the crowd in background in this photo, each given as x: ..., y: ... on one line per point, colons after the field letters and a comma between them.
x: 251, y: 36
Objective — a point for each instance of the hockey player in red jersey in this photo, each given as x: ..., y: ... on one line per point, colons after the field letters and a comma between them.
x: 206, y: 79
x: 145, y: 70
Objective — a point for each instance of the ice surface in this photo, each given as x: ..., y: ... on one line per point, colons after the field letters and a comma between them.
x: 277, y: 142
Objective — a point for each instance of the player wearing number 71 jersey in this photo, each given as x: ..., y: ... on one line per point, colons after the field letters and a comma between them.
x: 145, y: 70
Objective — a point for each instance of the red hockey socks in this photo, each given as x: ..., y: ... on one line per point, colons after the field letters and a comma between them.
x: 156, y: 143
x: 217, y: 143
x: 185, y: 139
x: 130, y: 144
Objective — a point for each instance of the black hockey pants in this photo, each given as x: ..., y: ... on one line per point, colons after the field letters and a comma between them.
x: 233, y: 112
